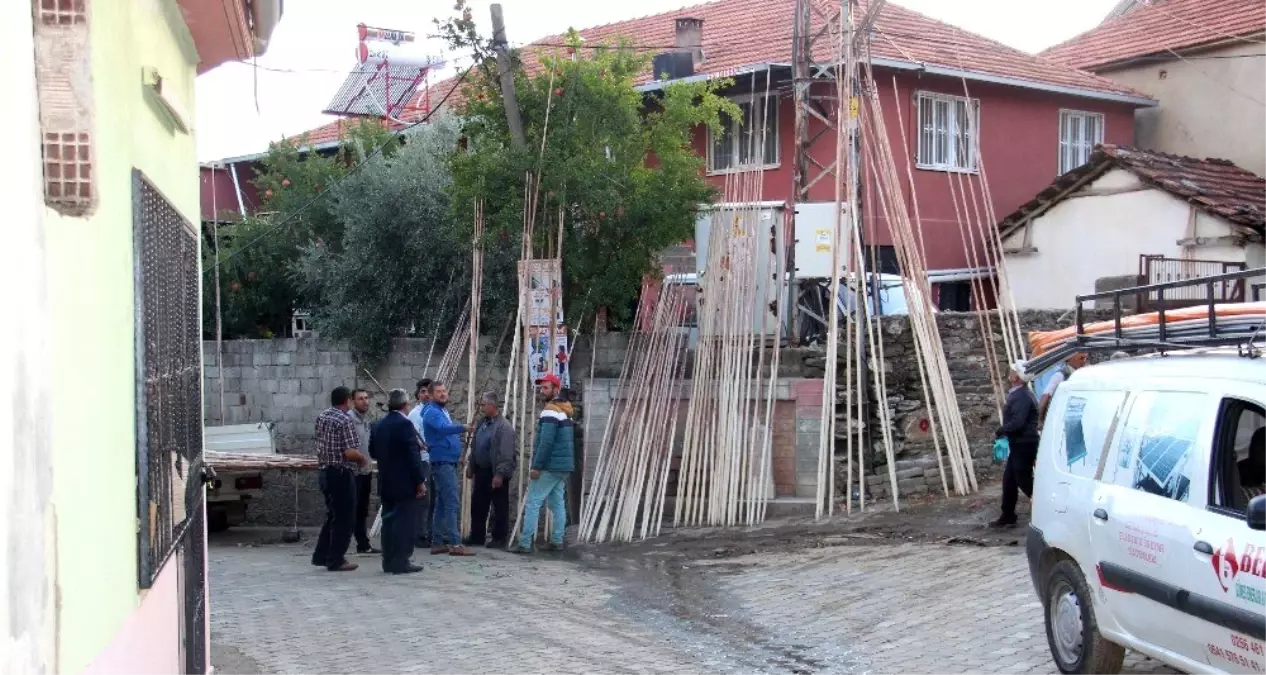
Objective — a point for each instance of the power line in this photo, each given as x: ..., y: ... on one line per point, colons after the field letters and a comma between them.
x: 321, y: 195
x: 1228, y: 86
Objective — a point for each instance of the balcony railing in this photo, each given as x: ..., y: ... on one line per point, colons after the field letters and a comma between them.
x: 1157, y: 269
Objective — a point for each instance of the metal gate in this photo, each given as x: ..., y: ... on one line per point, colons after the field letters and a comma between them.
x: 171, y: 493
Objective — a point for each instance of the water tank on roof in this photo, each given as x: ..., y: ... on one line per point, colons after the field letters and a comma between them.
x: 673, y: 65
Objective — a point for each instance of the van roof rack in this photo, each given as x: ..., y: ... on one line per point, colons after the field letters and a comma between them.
x: 1219, y: 317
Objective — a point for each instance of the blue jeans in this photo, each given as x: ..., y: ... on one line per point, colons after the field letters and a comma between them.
x: 445, y: 505
x: 547, y: 490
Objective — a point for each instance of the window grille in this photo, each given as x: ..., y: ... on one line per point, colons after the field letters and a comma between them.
x: 739, y: 144
x: 168, y: 377
x: 948, y: 128
x: 1079, y: 133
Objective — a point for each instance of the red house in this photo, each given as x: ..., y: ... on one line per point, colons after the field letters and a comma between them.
x: 1035, y: 119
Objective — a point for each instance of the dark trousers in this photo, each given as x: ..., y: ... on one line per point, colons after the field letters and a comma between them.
x: 338, y: 485
x: 482, y: 496
x: 398, y: 528
x: 364, y: 487
x: 423, y: 527
x: 1017, y: 476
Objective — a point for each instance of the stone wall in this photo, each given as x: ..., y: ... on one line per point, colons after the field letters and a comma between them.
x: 917, y: 468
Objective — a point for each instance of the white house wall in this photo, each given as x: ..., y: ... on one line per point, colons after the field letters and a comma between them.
x: 1086, y: 238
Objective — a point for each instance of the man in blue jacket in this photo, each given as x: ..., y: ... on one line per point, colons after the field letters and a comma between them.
x: 553, y: 460
x: 444, y: 441
x: 401, y: 482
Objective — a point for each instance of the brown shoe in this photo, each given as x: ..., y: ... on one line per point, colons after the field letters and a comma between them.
x: 345, y: 567
x: 461, y: 551
x: 439, y: 550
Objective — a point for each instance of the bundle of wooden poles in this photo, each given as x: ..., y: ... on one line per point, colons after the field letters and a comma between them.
x: 472, y: 396
x: 631, y: 477
x: 725, y: 476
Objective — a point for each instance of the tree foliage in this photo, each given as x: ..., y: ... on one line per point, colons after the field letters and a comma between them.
x: 399, y: 267
x: 617, y: 164
x: 260, y: 282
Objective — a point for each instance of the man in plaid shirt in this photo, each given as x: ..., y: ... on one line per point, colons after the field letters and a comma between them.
x: 338, y: 456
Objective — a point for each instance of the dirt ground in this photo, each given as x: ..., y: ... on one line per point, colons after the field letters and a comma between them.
x: 926, y: 519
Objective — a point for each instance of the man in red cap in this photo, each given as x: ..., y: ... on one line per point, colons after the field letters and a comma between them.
x: 553, y: 460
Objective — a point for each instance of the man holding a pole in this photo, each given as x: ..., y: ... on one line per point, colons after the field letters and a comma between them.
x: 553, y: 460
x: 422, y: 398
x: 444, y: 440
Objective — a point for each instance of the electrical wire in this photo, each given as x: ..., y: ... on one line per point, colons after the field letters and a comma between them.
x: 1214, y: 79
x: 356, y: 167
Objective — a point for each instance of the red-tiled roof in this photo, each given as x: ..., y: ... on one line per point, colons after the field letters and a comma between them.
x: 739, y: 33
x: 1158, y: 26
x: 1215, y: 186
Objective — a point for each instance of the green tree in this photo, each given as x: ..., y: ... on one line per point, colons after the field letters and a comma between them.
x: 398, y: 262
x: 618, y: 163
x: 259, y: 279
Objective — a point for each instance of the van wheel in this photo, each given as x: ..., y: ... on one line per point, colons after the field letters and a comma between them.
x: 1071, y: 629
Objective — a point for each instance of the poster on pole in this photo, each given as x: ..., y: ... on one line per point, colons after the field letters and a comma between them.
x: 543, y: 280
x: 543, y: 296
x: 544, y: 358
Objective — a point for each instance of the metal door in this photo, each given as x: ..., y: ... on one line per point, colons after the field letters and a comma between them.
x: 171, y: 488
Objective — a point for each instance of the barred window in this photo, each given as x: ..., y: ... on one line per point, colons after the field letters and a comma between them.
x: 1079, y: 133
x: 948, y: 128
x: 739, y: 145
x: 168, y: 377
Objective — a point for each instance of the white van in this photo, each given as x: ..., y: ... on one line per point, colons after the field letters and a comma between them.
x: 1147, y: 527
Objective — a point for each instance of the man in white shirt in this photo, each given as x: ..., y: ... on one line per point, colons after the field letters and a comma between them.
x: 1075, y: 362
x: 422, y: 395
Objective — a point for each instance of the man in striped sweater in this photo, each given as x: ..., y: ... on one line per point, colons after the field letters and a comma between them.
x: 553, y: 460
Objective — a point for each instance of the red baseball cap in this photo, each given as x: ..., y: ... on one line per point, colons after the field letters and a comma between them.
x: 550, y: 378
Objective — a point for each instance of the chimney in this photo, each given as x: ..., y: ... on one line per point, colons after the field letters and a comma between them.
x: 689, y: 38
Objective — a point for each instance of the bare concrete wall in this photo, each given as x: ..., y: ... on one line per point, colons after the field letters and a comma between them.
x: 28, y: 639
x: 1209, y: 107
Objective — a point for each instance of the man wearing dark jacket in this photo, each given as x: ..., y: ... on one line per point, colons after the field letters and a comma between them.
x: 553, y: 460
x: 1019, y: 426
x: 401, y: 482
x: 491, y: 467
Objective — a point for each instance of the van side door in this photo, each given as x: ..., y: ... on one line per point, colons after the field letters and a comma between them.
x: 1224, y: 582
x: 1142, y: 511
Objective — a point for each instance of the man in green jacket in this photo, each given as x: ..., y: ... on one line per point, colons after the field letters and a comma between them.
x: 553, y: 460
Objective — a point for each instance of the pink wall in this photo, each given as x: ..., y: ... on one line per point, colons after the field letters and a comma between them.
x: 1019, y: 147
x: 149, y: 642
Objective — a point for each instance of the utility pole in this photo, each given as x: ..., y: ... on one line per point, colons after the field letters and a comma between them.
x: 801, y: 52
x: 505, y: 70
x: 219, y: 324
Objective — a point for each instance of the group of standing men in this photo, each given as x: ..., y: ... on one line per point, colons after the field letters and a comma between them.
x: 420, y: 451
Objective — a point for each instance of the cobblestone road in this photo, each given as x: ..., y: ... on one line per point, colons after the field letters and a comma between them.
x: 850, y: 609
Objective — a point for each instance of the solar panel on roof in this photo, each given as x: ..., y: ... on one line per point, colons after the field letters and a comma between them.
x: 376, y: 90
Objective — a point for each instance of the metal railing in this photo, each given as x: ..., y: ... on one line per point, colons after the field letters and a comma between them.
x: 1207, y: 331
x: 1157, y: 269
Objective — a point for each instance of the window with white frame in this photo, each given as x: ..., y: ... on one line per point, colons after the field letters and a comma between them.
x: 1079, y: 133
x: 947, y: 132
x: 752, y: 140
